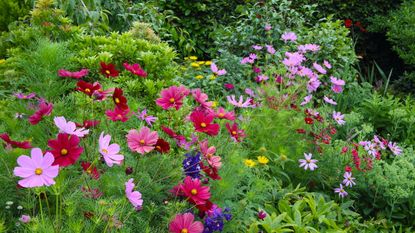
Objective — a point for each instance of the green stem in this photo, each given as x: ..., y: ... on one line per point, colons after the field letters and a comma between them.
x: 41, y: 210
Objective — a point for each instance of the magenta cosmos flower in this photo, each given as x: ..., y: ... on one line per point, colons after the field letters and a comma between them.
x: 24, y: 218
x: 338, y: 84
x: 172, y: 97
x: 342, y: 193
x: 118, y: 114
x: 75, y: 75
x: 44, y: 109
x: 110, y: 153
x: 135, y: 69
x: 69, y: 127
x: 193, y: 189
x: 308, y: 163
x: 184, y: 223
x: 133, y: 196
x: 222, y: 114
x: 339, y: 118
x: 143, y: 141
x: 36, y: 170
x: 202, y: 98
x: 209, y: 154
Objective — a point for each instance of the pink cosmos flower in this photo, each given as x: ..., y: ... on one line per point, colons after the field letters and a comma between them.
x: 313, y: 84
x: 144, y: 117
x: 204, y: 123
x: 327, y: 64
x: 289, y: 36
x: 328, y: 100
x: 133, y: 196
x: 135, y: 69
x: 216, y: 71
x: 24, y: 218
x: 172, y: 97
x: 247, y: 60
x: 75, y: 75
x: 36, y: 170
x: 307, y: 100
x: 143, y: 141
x: 23, y: 96
x: 257, y: 47
x: 293, y: 59
x: 261, y: 78
x: 337, y: 84
x: 69, y: 127
x: 348, y: 179
x: 184, y: 223
x: 44, y: 109
x: 250, y: 92
x: 270, y: 49
x: 228, y: 86
x: 267, y: 27
x: 110, y: 153
x: 256, y: 69
x: 396, y: 150
x: 308, y: 163
x: 193, y: 189
x: 240, y: 103
x: 222, y: 114
x: 339, y: 118
x: 202, y: 98
x: 209, y: 154
x: 342, y: 193
x: 308, y: 47
x: 118, y: 114
x: 319, y: 68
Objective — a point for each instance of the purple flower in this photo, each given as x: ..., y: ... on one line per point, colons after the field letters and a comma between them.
x: 293, y: 59
x: 396, y: 150
x: 319, y: 68
x: 289, y: 36
x: 330, y: 101
x: 313, y: 84
x: 250, y: 92
x: 348, y: 179
x: 216, y: 70
x: 23, y: 96
x: 342, y: 193
x: 307, y: 100
x: 308, y: 163
x: 257, y: 47
x: 133, y: 196
x: 338, y: 84
x: 261, y: 78
x: 267, y: 27
x: 25, y: 218
x: 144, y: 117
x: 339, y: 118
x: 270, y: 49
x: 327, y: 64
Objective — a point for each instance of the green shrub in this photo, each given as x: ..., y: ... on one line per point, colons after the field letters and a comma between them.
x: 11, y: 10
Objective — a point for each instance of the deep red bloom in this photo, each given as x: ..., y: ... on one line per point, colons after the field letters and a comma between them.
x: 118, y: 114
x: 108, y: 70
x: 91, y: 170
x: 309, y: 120
x: 194, y: 191
x: 207, y: 206
x: 7, y: 139
x: 344, y: 149
x: 229, y: 86
x: 119, y: 99
x: 319, y: 118
x: 88, y: 88
x: 210, y: 171
x: 235, y: 132
x: 44, y: 109
x: 203, y: 123
x: 135, y: 69
x: 301, y: 131
x: 88, y: 124
x: 65, y: 149
x: 348, y: 168
x: 162, y: 146
x: 333, y: 131
x: 348, y: 23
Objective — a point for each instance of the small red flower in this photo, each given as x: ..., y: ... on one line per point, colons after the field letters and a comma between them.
x: 348, y: 168
x: 162, y: 146
x: 301, y: 131
x: 344, y: 149
x: 91, y: 170
x: 118, y: 114
x: 88, y: 124
x: 119, y: 99
x: 236, y: 133
x: 348, y: 23
x: 109, y: 70
x: 203, y: 123
x: 65, y: 149
x: 135, y: 69
x: 6, y: 138
x: 210, y: 171
x: 87, y: 88
x: 44, y: 109
x: 309, y: 120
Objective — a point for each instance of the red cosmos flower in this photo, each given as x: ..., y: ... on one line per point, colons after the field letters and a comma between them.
x: 348, y: 23
x: 193, y: 190
x: 88, y: 124
x: 236, y: 133
x: 348, y: 168
x: 172, y: 134
x: 309, y: 120
x: 162, y: 146
x: 87, y: 88
x: 210, y: 171
x: 208, y: 206
x: 119, y: 99
x: 135, y: 69
x: 65, y: 149
x: 91, y: 170
x: 203, y: 123
x: 108, y: 70
x: 6, y: 138
x: 118, y: 114
x: 44, y: 109
x: 344, y: 149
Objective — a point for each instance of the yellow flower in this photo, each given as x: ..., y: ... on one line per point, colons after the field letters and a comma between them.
x: 201, y: 62
x: 263, y: 160
x: 208, y: 63
x: 194, y: 58
x: 249, y: 163
x: 212, y: 77
x: 195, y: 64
x: 214, y: 104
x: 199, y: 77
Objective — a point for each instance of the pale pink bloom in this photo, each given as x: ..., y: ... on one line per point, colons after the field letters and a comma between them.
x: 319, y: 68
x: 144, y: 117
x: 216, y: 71
x: 396, y: 150
x: 261, y: 78
x: 240, y: 103
x: 267, y: 27
x: 23, y: 96
x: 328, y: 100
x: 143, y: 141
x: 308, y: 47
x: 308, y: 163
x: 69, y: 127
x: 36, y: 170
x: 307, y: 100
x: 293, y: 59
x: 250, y: 92
x: 339, y: 118
x: 342, y: 193
x: 110, y: 153
x: 257, y: 47
x: 313, y: 84
x: 304, y: 72
x: 338, y: 84
x: 253, y: 56
x: 209, y: 154
x: 201, y: 98
x: 327, y: 64
x: 270, y: 49
x: 289, y: 36
x: 133, y: 196
x: 24, y: 218
x: 379, y: 142
x: 247, y: 60
x: 348, y: 179
x: 370, y: 148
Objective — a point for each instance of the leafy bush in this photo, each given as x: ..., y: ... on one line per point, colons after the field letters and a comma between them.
x: 11, y: 10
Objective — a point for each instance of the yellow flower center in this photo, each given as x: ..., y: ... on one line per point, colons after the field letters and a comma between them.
x: 171, y: 100
x: 117, y: 100
x: 87, y: 90
x: 193, y: 191
x: 38, y: 171
x: 108, y: 72
x: 203, y: 125
x: 119, y: 116
x: 158, y: 147
x: 221, y: 115
x: 209, y: 156
x: 64, y: 151
x: 142, y: 142
x: 89, y: 170
x: 184, y: 230
x: 105, y: 151
x: 233, y: 132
